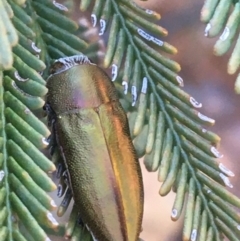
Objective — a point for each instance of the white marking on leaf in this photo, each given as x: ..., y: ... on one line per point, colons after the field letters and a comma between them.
x: 206, y: 31
x: 144, y: 85
x: 204, y: 130
x: 45, y: 141
x: 226, y: 170
x: 125, y: 86
x: 205, y: 118
x: 180, y: 81
x: 114, y: 72
x: 134, y: 95
x: 102, y: 27
x: 53, y: 204
x: 209, y: 191
x: 195, y: 103
x: 19, y: 78
x: 216, y: 153
x: 194, y: 235
x: 226, y: 180
x: 94, y: 20
x: 148, y: 11
x: 19, y: 90
x: 225, y: 34
x: 174, y: 213
x: 60, y: 6
x: 35, y: 48
x: 27, y: 111
x: 2, y: 174
x: 157, y: 41
x: 52, y: 219
x: 149, y: 37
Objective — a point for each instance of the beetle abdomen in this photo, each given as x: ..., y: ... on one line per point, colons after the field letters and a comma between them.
x: 96, y: 146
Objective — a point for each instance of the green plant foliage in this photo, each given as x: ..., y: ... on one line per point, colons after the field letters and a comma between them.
x: 24, y: 179
x: 224, y: 16
x: 165, y: 123
x: 29, y: 36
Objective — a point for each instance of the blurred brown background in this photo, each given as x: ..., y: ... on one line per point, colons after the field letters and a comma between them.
x: 206, y: 79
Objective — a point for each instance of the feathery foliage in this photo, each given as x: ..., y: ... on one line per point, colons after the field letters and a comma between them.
x: 224, y: 16
x: 24, y: 178
x: 165, y: 123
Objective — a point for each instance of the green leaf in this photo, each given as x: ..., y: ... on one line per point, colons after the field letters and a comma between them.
x: 182, y: 151
x: 224, y: 16
x: 24, y: 170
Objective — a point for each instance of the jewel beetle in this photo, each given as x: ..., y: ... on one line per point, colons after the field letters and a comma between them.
x: 90, y: 128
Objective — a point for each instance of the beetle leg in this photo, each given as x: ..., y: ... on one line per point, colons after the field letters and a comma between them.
x: 76, y: 228
x: 67, y: 198
x: 65, y: 203
x: 53, y: 140
x: 52, y: 143
x: 62, y: 186
x: 51, y: 123
x: 50, y: 113
x: 66, y: 178
x: 60, y: 169
x: 80, y: 221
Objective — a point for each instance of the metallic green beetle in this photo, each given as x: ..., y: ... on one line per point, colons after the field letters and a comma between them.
x: 92, y: 133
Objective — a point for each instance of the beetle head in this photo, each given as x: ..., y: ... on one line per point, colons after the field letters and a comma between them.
x: 75, y: 82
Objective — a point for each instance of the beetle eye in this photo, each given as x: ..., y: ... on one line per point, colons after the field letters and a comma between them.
x: 56, y: 67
